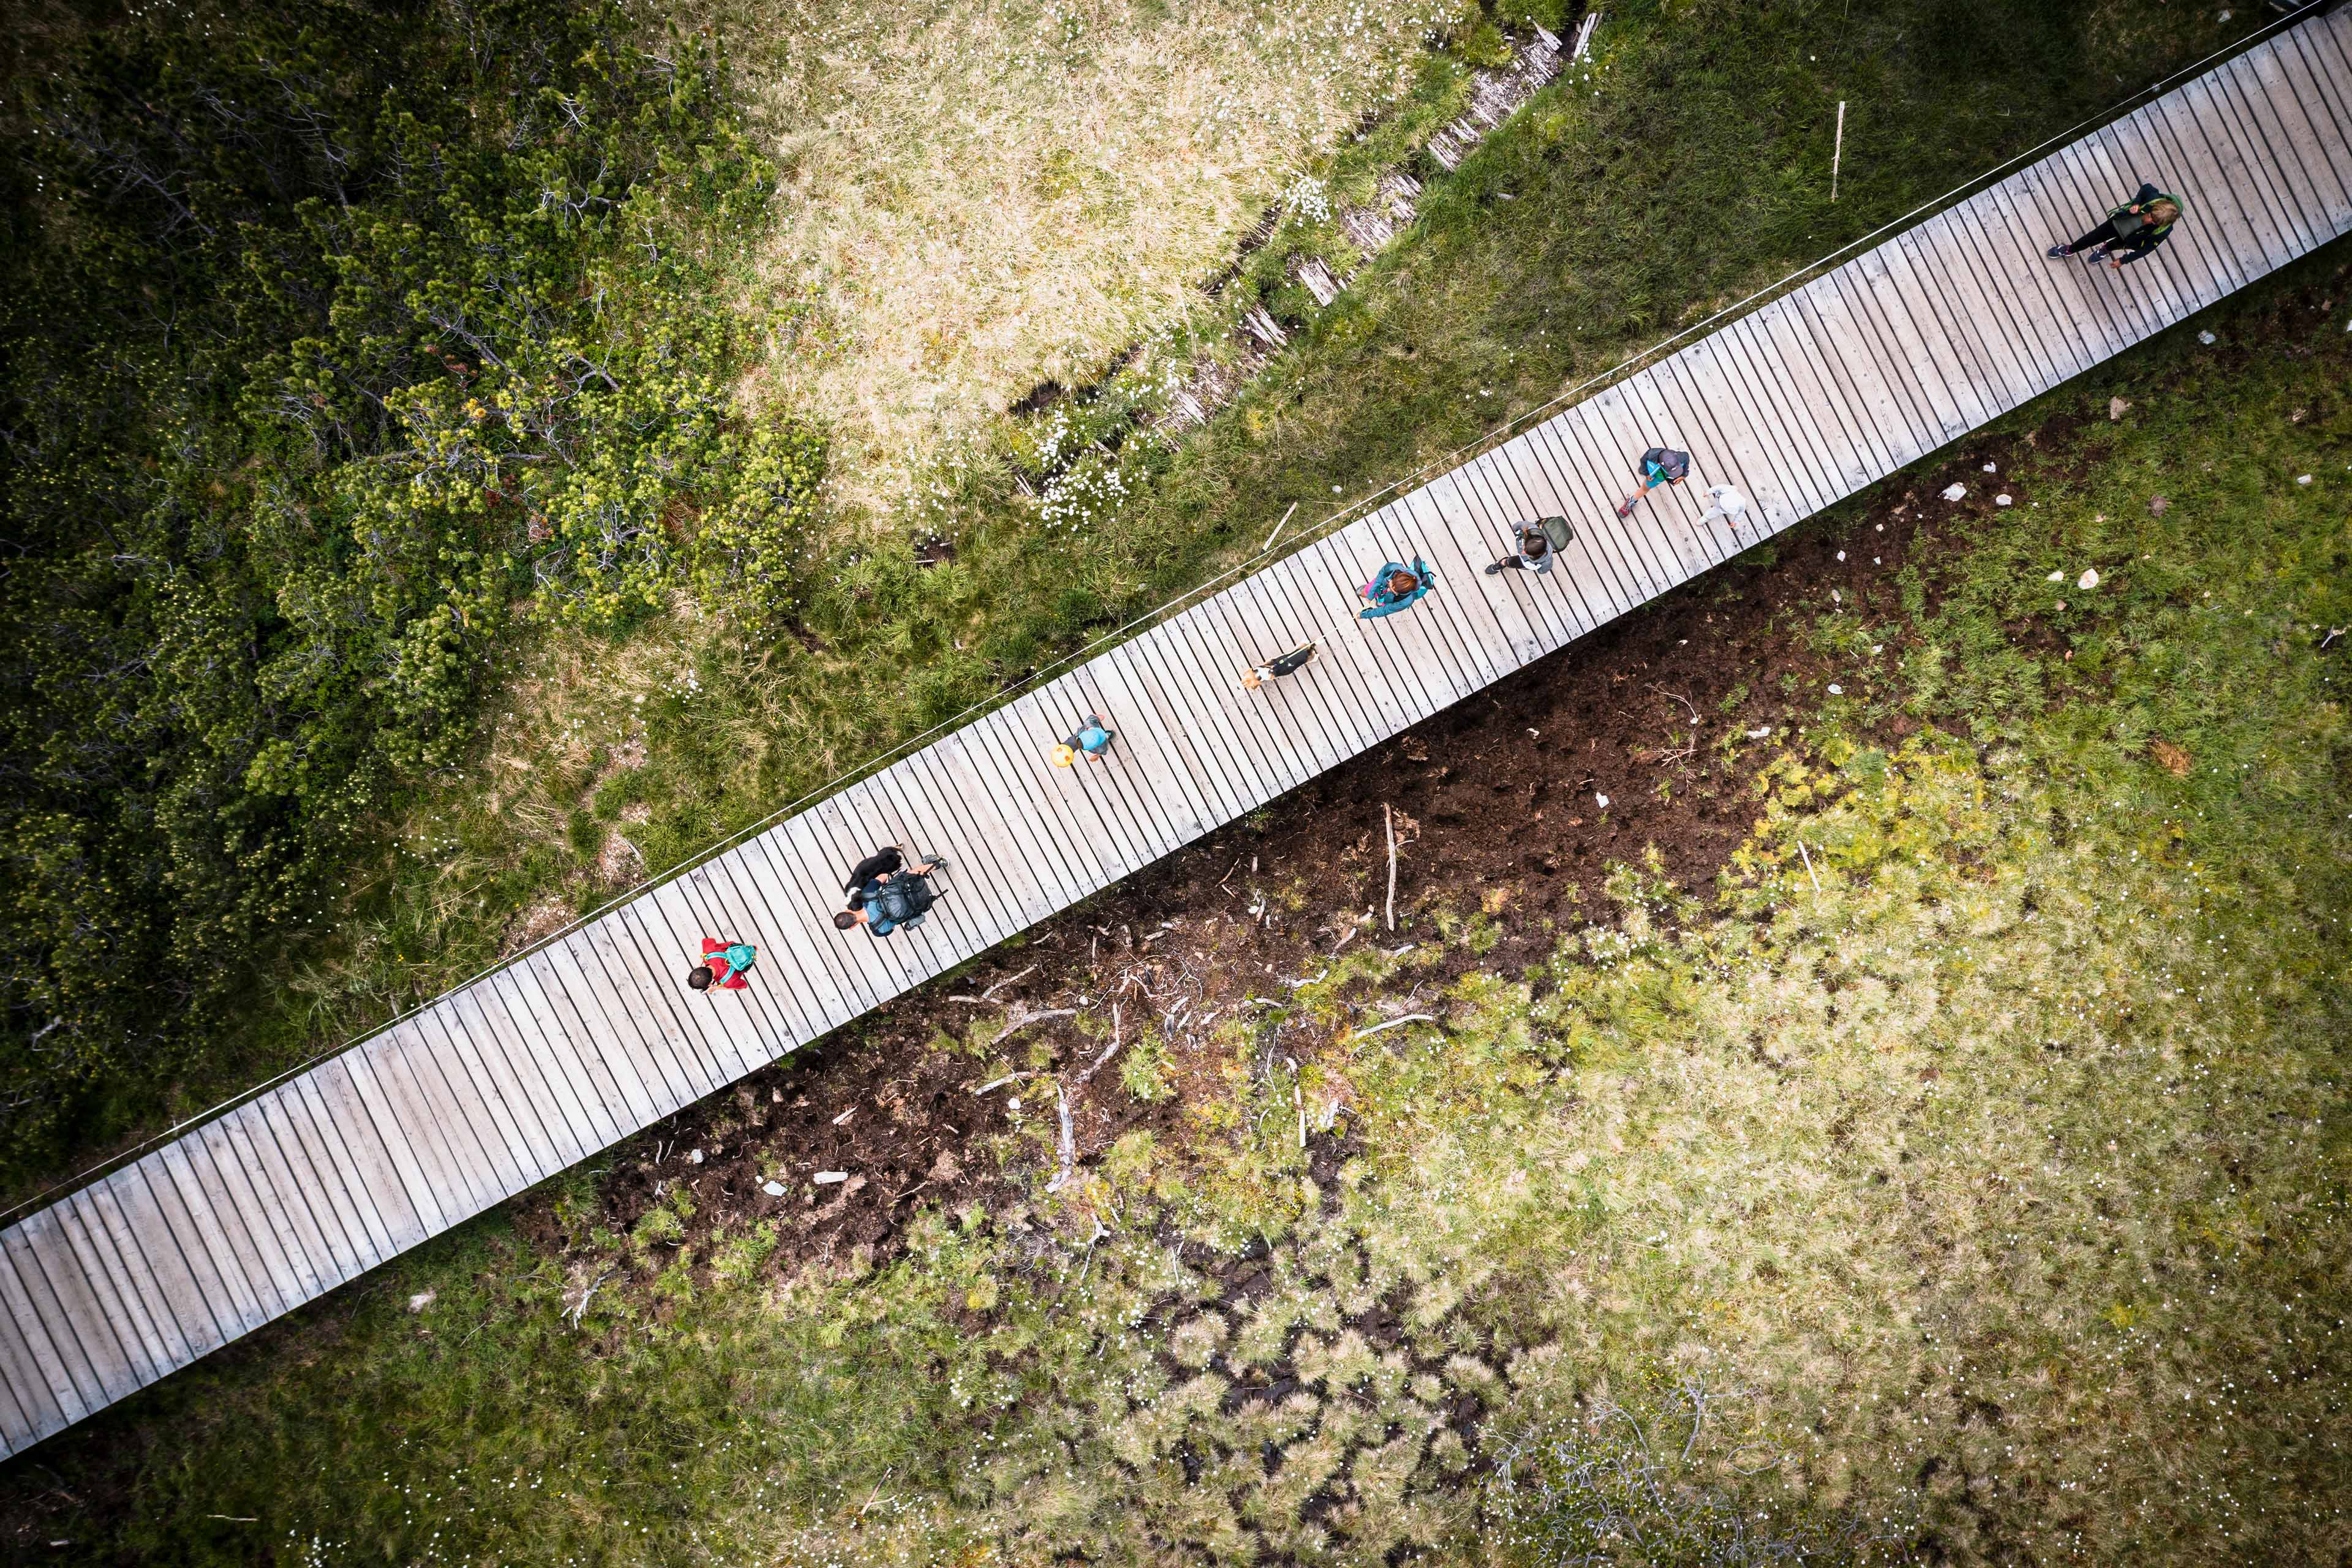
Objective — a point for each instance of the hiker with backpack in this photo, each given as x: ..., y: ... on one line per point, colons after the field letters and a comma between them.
x: 1659, y: 466
x: 1395, y: 587
x: 1092, y: 739
x: 884, y: 906
x: 726, y: 964
x: 1290, y: 663
x: 2130, y: 232
x: 1539, y: 544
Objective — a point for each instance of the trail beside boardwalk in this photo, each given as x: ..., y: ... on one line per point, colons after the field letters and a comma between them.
x: 575, y: 1045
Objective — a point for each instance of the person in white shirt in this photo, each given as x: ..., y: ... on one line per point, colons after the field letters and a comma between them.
x: 1726, y: 502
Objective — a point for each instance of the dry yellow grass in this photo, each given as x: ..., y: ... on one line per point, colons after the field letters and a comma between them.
x: 978, y: 199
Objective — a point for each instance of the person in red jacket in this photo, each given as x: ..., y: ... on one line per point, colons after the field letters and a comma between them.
x: 726, y: 964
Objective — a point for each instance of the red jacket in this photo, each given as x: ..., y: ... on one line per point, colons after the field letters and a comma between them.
x: 714, y: 954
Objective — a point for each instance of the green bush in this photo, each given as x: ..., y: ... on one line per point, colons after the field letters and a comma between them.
x: 334, y: 347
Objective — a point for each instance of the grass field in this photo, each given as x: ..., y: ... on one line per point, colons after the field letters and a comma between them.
x: 978, y: 201
x: 605, y: 755
x: 1975, y: 1191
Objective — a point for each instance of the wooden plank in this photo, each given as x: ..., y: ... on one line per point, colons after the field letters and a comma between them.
x: 30, y: 1373
x: 283, y: 1203
x: 242, y: 1298
x: 506, y: 1131
x: 729, y: 1041
x: 229, y: 1187
x: 81, y: 1332
x: 284, y: 1116
x: 138, y: 1329
x: 2322, y: 90
x: 1178, y: 794
x: 420, y: 1158
x: 155, y: 1266
x: 47, y: 1340
x: 1328, y: 694
x: 367, y: 1157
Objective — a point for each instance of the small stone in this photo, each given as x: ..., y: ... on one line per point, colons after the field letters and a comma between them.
x: 694, y: 1156
x: 421, y: 1300
x: 1760, y: 734
x: 2303, y: 479
x: 1877, y: 648
x: 2002, y: 500
x: 827, y: 1178
x: 773, y: 1189
x: 1835, y: 689
x: 1840, y: 554
x: 2158, y: 506
x: 2206, y: 338
x: 2056, y: 577
x: 1882, y: 528
x: 1602, y: 799
x: 2116, y: 408
x: 775, y: 1097
x: 1836, y: 597
x: 2089, y: 579
x: 1954, y: 493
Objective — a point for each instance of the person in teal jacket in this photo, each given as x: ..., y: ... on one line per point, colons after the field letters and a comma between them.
x: 1395, y: 587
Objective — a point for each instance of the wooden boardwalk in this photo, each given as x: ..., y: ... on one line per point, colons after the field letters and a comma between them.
x: 571, y: 1048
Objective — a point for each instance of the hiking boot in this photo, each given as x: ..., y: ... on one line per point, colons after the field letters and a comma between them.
x: 2059, y: 252
x: 1493, y: 568
x: 1624, y: 512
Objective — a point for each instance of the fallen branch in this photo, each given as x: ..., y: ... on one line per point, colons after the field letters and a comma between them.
x: 1809, y: 868
x: 1388, y: 821
x: 1000, y: 1083
x: 1062, y: 1105
x: 1019, y: 1017
x: 1392, y: 1023
x: 990, y: 994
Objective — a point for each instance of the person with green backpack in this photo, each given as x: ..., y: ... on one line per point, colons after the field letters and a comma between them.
x: 2132, y: 231
x: 1539, y: 544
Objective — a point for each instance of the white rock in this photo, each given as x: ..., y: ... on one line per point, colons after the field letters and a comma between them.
x: 1877, y: 648
x: 1835, y: 689
x: 2056, y: 577
x: 827, y: 1178
x: 2089, y: 579
x: 1760, y: 734
x: 1954, y: 493
x: 1836, y: 597
x: 1602, y: 799
x: 1013, y: 1103
x: 1992, y: 468
x: 2205, y: 338
x: 2116, y: 408
x: 773, y: 1189
x: 1840, y: 554
x: 421, y: 1300
x: 694, y: 1156
x: 2303, y: 479
x: 2001, y: 500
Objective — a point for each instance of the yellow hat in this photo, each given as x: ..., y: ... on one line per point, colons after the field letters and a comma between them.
x: 1064, y: 757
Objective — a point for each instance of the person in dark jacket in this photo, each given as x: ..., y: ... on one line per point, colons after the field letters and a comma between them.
x: 881, y: 865
x: 1659, y: 466
x: 2130, y: 232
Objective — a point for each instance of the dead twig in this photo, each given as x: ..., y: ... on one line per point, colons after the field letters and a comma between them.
x: 990, y: 994
x: 1392, y: 1023
x: 1388, y: 821
x: 1019, y: 1017
x: 1000, y: 1083
x: 1809, y: 868
x: 580, y: 1313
